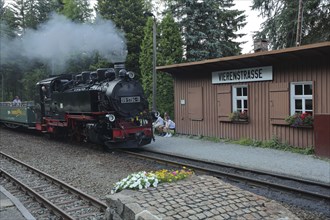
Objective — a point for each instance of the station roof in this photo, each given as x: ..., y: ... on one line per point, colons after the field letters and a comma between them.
x: 250, y: 60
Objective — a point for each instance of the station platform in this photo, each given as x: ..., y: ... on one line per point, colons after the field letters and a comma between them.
x: 11, y: 208
x: 276, y: 161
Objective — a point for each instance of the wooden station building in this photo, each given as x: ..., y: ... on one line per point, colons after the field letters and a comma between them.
x: 268, y: 86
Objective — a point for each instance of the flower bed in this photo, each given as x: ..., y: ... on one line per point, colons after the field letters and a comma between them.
x: 145, y: 179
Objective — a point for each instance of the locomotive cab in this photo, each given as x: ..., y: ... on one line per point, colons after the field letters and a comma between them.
x: 46, y: 100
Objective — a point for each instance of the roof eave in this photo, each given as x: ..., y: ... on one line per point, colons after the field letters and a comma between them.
x: 171, y: 68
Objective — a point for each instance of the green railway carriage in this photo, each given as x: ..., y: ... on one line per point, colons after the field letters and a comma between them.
x: 17, y: 115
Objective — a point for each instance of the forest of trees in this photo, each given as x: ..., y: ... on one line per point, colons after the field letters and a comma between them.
x: 187, y: 30
x: 280, y: 26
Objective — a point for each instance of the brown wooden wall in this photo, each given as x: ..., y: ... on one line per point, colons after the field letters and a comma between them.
x: 260, y: 94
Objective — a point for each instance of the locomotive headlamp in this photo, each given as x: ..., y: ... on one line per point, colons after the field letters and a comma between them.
x: 111, y: 117
x: 130, y: 74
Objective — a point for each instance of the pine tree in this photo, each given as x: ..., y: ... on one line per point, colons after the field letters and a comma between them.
x: 46, y: 8
x: 29, y: 80
x: 145, y: 60
x: 208, y: 27
x: 8, y: 23
x: 170, y: 52
x: 19, y: 9
x: 128, y: 15
x: 9, y: 70
x: 29, y: 14
x: 76, y: 10
x: 280, y: 27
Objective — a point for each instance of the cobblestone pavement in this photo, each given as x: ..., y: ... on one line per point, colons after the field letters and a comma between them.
x: 199, y: 197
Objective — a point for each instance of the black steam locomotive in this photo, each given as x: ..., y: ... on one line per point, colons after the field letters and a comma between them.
x: 106, y: 106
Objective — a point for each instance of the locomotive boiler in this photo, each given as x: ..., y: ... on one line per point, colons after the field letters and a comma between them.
x: 106, y: 106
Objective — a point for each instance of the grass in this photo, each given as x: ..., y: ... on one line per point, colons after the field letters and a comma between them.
x: 274, y: 143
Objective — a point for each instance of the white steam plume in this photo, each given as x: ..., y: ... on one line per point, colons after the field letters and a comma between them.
x: 60, y: 38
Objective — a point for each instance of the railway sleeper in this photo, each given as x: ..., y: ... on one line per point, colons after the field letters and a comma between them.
x: 50, y: 191
x: 41, y: 186
x: 64, y: 202
x: 56, y: 196
x: 77, y: 208
x: 92, y: 214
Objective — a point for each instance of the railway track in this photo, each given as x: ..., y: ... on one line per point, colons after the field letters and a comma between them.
x: 44, y: 196
x: 305, y: 188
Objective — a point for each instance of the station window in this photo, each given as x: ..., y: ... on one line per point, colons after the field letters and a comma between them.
x: 240, y: 98
x: 301, y: 97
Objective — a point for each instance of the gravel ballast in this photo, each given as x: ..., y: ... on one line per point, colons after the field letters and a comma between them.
x: 82, y: 165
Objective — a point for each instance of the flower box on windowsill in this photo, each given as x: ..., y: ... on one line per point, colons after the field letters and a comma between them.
x: 300, y: 120
x: 302, y: 126
x: 240, y: 121
x: 239, y: 117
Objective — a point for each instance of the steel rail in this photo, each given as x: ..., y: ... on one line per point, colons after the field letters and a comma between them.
x: 101, y: 205
x: 221, y: 174
x: 57, y: 211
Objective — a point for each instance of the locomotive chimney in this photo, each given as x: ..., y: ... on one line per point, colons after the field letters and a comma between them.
x: 118, y: 67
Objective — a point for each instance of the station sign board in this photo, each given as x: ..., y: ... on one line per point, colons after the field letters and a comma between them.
x: 263, y: 73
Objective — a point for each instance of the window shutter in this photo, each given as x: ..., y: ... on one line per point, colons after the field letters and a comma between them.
x: 224, y: 102
x: 195, y: 103
x: 279, y: 98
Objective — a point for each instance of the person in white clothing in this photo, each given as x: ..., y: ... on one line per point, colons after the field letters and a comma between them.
x: 169, y: 128
x: 16, y: 101
x: 158, y: 124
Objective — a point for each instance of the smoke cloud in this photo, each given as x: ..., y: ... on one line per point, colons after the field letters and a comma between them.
x: 59, y: 39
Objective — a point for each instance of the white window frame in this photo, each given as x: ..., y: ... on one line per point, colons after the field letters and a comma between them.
x: 303, y: 97
x: 242, y: 98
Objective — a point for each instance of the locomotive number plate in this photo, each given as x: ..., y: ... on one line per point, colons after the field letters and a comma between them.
x: 130, y: 99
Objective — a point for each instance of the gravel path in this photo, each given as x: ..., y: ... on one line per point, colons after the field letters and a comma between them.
x: 84, y: 166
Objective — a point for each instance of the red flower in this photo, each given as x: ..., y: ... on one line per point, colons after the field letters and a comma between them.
x: 243, y: 114
x: 304, y: 115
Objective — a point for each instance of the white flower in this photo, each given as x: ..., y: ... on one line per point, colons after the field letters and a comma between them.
x: 135, y: 184
x: 138, y: 180
x: 155, y: 183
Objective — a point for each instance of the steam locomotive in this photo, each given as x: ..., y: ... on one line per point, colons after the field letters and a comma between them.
x: 106, y: 106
